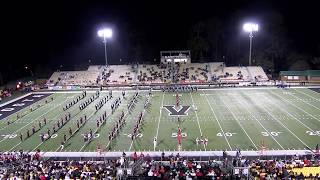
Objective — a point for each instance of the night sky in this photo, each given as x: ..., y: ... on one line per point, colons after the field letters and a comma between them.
x: 52, y: 33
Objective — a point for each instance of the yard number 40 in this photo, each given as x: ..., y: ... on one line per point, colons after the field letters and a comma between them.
x: 313, y: 133
x: 272, y: 133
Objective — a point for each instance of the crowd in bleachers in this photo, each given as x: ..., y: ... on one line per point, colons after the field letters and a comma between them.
x: 118, y: 74
x: 177, y: 167
x: 25, y: 166
x: 285, y: 169
x: 187, y: 72
x: 74, y: 78
x: 20, y: 165
x: 232, y: 74
x: 161, y: 73
x: 153, y: 73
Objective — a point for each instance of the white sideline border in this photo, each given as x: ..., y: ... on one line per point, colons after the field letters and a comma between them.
x: 117, y: 154
x: 92, y: 90
x: 17, y: 98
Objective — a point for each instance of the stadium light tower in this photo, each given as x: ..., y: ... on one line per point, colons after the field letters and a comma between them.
x: 105, y: 33
x: 250, y: 28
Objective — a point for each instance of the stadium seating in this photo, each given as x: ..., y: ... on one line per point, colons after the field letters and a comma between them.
x: 153, y: 74
x: 95, y: 68
x: 119, y: 74
x: 257, y: 73
x: 294, y: 168
x: 231, y: 74
x: 215, y: 66
x: 191, y: 72
x: 161, y: 73
x: 74, y: 78
x: 238, y: 73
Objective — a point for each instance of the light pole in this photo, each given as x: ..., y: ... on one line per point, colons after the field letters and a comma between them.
x: 105, y: 34
x: 250, y: 27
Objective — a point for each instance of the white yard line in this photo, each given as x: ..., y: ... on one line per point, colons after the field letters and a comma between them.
x: 38, y: 146
x: 23, y: 110
x: 15, y: 146
x: 41, y: 142
x: 307, y: 95
x: 196, y: 116
x: 234, y: 116
x: 241, y: 102
x: 61, y: 127
x: 58, y: 129
x: 124, y: 117
x: 110, y: 141
x: 15, y: 99
x: 6, y: 126
x: 197, y: 120
x: 58, y: 106
x: 282, y: 109
x: 85, y: 144
x: 296, y: 107
x: 132, y: 134
x: 217, y: 121
x: 55, y: 150
x: 265, y: 107
x: 144, y: 110
x: 159, y: 118
x: 304, y: 101
x: 79, y: 130
x: 108, y: 144
x: 130, y: 145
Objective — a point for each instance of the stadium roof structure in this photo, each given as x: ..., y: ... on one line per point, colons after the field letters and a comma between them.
x: 301, y: 73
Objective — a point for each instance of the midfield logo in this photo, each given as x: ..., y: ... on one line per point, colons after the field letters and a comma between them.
x: 174, y: 112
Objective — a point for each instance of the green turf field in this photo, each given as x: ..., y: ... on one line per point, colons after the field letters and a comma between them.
x: 230, y: 118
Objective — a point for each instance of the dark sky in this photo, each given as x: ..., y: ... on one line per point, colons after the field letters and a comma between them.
x: 64, y: 32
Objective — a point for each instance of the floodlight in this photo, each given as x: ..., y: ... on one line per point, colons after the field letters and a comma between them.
x: 105, y: 33
x: 250, y: 27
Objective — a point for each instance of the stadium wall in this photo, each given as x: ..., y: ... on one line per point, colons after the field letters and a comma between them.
x: 190, y: 154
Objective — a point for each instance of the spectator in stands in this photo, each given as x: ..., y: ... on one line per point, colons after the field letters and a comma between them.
x: 20, y: 165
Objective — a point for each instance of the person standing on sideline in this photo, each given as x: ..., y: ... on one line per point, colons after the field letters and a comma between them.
x: 154, y: 143
x: 61, y: 145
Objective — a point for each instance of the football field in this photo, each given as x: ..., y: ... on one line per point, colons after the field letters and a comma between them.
x: 245, y: 118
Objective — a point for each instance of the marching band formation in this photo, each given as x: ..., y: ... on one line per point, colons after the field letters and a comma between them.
x: 102, y: 118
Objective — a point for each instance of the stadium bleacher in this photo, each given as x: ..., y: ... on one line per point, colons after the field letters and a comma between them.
x: 161, y: 73
x: 232, y: 74
x: 74, y: 78
x: 153, y: 74
x: 257, y: 73
x: 239, y: 73
x: 191, y: 72
x: 119, y: 74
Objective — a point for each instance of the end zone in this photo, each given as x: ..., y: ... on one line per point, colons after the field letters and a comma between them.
x: 20, y: 103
